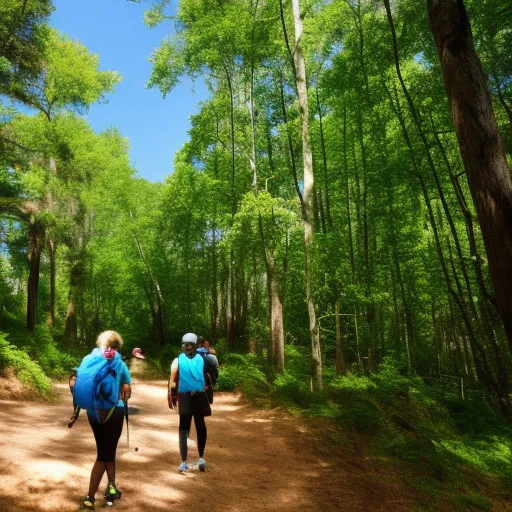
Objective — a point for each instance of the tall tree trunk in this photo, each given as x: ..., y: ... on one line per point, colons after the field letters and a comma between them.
x: 71, y: 324
x: 214, y: 292
x: 215, y: 262
x: 35, y: 247
x: 52, y: 256
x: 51, y: 248
x: 230, y: 310
x: 324, y: 159
x: 480, y: 144
x: 300, y: 68
x: 347, y: 195
x: 252, y: 159
x: 75, y: 281
x: 276, y: 307
x: 341, y: 368
x: 156, y: 303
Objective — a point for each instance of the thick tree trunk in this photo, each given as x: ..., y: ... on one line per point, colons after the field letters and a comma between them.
x: 479, y: 141
x: 276, y: 307
x: 35, y: 247
x: 300, y: 69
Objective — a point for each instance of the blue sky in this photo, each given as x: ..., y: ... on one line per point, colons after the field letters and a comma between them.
x: 157, y: 128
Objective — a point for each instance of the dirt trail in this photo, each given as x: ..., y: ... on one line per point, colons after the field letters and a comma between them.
x: 257, y: 461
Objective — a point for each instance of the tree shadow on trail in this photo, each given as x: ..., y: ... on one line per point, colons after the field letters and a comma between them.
x: 257, y: 461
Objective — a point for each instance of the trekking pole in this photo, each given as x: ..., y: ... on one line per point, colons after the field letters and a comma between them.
x: 74, y: 416
x: 126, y: 416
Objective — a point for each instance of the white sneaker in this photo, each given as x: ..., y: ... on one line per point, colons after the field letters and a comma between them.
x: 183, y: 466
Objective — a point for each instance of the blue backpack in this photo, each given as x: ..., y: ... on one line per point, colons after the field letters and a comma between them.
x: 96, y: 385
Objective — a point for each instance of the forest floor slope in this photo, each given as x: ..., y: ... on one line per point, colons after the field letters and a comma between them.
x: 257, y: 460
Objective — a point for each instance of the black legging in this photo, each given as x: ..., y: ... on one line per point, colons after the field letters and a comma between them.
x: 185, y: 423
x: 107, y: 435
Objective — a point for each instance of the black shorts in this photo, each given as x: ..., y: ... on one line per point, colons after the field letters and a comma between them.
x: 195, y: 404
x: 107, y: 435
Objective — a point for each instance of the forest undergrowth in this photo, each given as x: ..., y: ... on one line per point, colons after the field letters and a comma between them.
x: 454, y: 453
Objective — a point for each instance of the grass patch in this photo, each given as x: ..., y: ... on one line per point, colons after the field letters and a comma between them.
x: 472, y: 501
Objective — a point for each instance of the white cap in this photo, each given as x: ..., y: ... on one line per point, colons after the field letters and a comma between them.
x: 190, y: 337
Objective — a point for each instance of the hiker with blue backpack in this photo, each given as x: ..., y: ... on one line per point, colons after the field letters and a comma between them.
x: 103, y: 388
x: 191, y: 390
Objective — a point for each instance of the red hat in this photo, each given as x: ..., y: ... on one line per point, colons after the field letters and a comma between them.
x: 137, y: 352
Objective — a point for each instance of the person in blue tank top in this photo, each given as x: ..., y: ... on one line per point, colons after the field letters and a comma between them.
x: 187, y: 378
x: 107, y: 423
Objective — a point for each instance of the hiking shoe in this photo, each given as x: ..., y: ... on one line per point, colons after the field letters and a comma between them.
x: 87, y: 504
x: 112, y: 493
x: 201, y: 464
x: 183, y: 467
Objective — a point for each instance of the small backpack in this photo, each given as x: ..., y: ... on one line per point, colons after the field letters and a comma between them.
x: 211, y: 372
x: 96, y: 385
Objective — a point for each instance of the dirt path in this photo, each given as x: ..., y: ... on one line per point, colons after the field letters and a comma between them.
x: 257, y: 460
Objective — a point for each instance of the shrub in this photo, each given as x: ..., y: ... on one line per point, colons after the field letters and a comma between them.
x: 291, y: 388
x: 241, y: 372
x: 27, y: 371
x: 44, y: 349
x: 362, y: 416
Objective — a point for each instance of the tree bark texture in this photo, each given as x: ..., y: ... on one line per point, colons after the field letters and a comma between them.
x: 276, y: 307
x: 308, y: 196
x: 35, y: 247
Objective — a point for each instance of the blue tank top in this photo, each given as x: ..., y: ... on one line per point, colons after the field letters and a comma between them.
x: 191, y: 376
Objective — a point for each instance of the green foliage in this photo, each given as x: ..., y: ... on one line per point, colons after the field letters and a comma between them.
x: 28, y: 371
x: 241, y: 372
x: 23, y: 32
x: 473, y: 501
x: 490, y: 454
x: 168, y: 66
x: 45, y: 351
x: 293, y: 389
x: 56, y: 362
x: 71, y: 79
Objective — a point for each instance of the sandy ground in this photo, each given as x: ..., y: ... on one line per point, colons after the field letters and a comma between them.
x: 257, y: 461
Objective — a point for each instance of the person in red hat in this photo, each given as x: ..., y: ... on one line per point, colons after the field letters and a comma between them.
x: 137, y: 352
x: 136, y: 363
